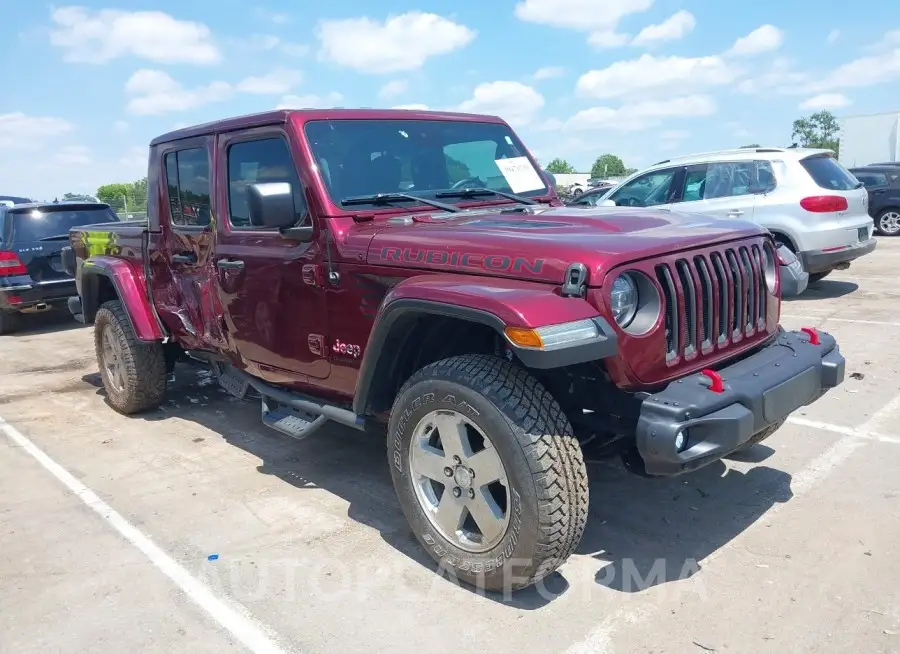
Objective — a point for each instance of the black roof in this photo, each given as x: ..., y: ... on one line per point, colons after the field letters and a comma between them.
x: 15, y: 198
x: 58, y: 206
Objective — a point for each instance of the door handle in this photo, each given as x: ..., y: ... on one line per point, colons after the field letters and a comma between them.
x: 230, y: 264
x: 736, y: 212
x: 187, y: 257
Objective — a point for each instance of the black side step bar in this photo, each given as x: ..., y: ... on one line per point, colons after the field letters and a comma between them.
x: 310, y: 407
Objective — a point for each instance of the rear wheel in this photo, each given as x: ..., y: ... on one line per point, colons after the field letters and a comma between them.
x: 888, y: 222
x: 133, y: 373
x: 9, y: 321
x: 487, y: 471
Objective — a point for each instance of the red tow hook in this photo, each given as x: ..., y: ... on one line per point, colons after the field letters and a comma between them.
x: 813, y: 335
x: 716, y: 385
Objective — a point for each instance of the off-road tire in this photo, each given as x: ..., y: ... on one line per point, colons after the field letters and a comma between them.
x: 144, y: 363
x: 10, y: 321
x: 761, y: 436
x: 548, y: 483
x: 819, y: 276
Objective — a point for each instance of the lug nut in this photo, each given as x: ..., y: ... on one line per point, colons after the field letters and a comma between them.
x: 448, y: 471
x: 456, y: 491
x: 456, y: 458
x: 471, y: 493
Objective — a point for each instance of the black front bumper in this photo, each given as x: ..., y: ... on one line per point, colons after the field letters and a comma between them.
x: 758, y: 391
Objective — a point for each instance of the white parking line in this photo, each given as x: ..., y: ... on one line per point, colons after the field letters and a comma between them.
x: 846, y: 431
x: 812, y: 317
x: 243, y: 627
x: 599, y: 639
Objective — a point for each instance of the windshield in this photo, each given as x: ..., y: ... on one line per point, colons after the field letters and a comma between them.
x: 37, y: 224
x: 828, y: 173
x: 358, y: 158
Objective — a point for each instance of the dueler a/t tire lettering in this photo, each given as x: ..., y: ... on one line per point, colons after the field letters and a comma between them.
x: 547, y: 477
x: 144, y: 364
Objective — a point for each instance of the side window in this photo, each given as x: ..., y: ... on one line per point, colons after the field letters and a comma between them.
x: 259, y: 162
x: 872, y: 179
x: 646, y: 191
x: 694, y: 183
x: 187, y: 179
x: 765, y: 177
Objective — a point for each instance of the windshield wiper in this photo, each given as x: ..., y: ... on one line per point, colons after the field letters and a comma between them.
x: 387, y: 198
x: 472, y: 192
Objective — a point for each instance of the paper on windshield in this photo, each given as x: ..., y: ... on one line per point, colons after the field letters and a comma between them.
x: 520, y: 174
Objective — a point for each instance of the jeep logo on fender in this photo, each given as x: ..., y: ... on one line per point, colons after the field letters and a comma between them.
x: 448, y: 259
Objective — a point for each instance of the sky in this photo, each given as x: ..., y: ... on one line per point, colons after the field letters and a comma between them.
x: 87, y: 86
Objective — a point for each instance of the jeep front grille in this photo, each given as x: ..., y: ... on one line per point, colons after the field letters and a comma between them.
x: 713, y: 298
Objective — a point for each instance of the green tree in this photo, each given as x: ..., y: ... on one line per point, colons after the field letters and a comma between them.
x: 752, y: 145
x: 560, y: 167
x: 819, y: 130
x: 113, y: 193
x: 608, y: 165
x: 630, y: 171
x: 139, y: 190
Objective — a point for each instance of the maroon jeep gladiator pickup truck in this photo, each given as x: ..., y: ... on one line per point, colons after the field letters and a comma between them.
x: 415, y: 269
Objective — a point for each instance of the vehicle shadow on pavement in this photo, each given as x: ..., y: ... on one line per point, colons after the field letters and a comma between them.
x: 48, y: 322
x: 824, y: 290
x: 654, y: 531
x: 344, y: 462
x: 648, y: 531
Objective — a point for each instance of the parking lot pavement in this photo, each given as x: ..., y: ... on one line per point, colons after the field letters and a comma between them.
x: 792, y: 549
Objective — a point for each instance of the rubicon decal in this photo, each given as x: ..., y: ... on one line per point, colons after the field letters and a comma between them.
x: 471, y: 260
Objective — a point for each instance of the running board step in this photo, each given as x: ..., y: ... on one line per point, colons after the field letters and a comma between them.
x: 288, y: 420
x: 234, y: 384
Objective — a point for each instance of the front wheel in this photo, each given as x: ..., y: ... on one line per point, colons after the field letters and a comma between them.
x: 488, y: 472
x: 133, y: 373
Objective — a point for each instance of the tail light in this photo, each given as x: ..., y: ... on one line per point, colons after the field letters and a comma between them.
x: 824, y: 203
x: 11, y: 265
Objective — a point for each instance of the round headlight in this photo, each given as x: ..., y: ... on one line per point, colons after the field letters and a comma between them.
x: 624, y: 299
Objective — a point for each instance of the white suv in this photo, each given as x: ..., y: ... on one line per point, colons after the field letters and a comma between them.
x: 809, y: 201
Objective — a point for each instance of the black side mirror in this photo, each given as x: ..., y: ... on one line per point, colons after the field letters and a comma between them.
x: 272, y: 205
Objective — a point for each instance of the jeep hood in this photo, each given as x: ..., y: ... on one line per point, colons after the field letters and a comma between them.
x: 539, y: 244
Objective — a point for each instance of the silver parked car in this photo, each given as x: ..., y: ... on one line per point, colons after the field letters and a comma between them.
x: 810, y: 202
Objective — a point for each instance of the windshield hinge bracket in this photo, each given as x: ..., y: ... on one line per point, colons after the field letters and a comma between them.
x: 575, y: 281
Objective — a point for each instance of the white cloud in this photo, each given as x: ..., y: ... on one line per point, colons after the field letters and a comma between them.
x: 888, y: 42
x: 101, y: 36
x: 605, y: 39
x: 649, y: 74
x: 833, y: 36
x: 19, y: 130
x: 310, y: 101
x: 826, y: 101
x: 763, y: 39
x: 71, y: 155
x: 865, y: 71
x: 781, y: 78
x: 674, y: 27
x: 675, y: 134
x: 515, y: 102
x: 134, y: 160
x: 393, y: 88
x: 586, y: 15
x: 412, y: 107
x: 121, y: 126
x: 548, y: 72
x: 276, y: 82
x: 400, y: 43
x: 276, y: 17
x: 270, y: 43
x: 641, y: 115
x: 153, y: 92
x: 549, y: 125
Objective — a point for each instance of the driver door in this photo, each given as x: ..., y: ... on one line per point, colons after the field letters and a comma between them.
x: 653, y: 189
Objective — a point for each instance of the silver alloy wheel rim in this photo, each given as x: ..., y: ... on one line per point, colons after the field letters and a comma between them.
x: 459, y: 481
x: 113, y: 360
x: 889, y: 222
